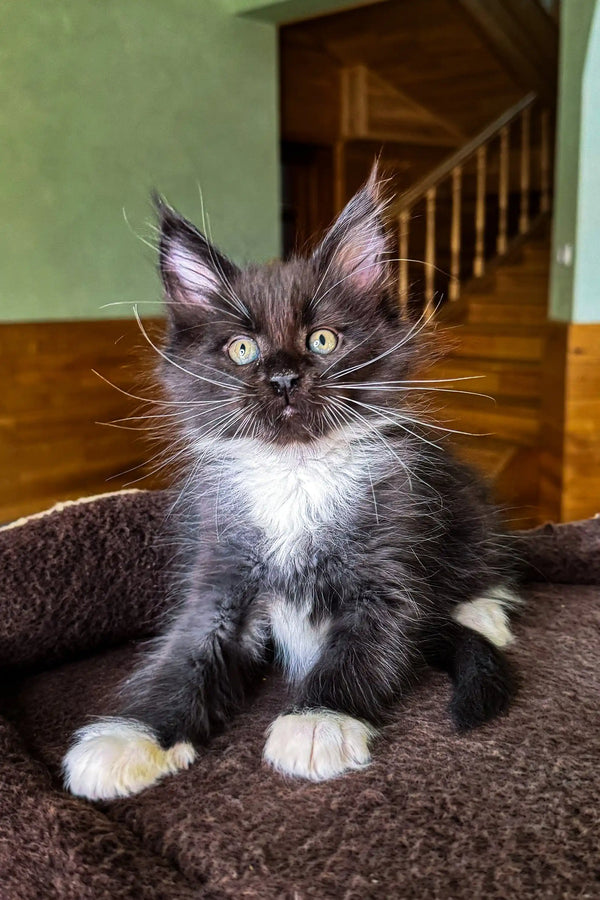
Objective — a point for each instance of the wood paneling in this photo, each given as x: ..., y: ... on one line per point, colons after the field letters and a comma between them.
x: 374, y: 110
x: 523, y: 37
x: 405, y: 164
x: 570, y: 458
x: 553, y: 422
x: 52, y: 446
x: 310, y: 91
x: 428, y: 50
x: 309, y: 204
x: 545, y: 426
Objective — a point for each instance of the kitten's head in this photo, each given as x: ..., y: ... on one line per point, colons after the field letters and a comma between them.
x: 286, y: 352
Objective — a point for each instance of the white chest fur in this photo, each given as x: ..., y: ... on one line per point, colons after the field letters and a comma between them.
x: 298, y: 641
x: 290, y: 495
x: 294, y: 497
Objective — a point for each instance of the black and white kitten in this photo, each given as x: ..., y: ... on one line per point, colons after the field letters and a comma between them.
x: 319, y: 522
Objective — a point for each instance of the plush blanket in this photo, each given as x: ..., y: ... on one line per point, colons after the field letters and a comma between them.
x: 510, y: 810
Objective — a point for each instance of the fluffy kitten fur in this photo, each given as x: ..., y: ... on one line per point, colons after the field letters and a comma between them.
x: 320, y: 525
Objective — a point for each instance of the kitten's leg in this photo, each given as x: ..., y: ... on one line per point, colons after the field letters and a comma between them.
x: 184, y: 690
x: 469, y: 648
x: 366, y: 665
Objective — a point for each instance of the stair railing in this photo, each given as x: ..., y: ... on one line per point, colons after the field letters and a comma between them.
x: 531, y: 198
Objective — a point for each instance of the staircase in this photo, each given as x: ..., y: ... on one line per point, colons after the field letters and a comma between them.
x: 408, y: 82
x: 497, y: 334
x: 455, y: 97
x: 485, y: 242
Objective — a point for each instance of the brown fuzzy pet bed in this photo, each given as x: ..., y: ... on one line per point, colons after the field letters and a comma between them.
x: 511, y: 810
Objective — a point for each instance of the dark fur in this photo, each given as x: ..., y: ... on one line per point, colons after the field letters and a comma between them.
x: 419, y: 537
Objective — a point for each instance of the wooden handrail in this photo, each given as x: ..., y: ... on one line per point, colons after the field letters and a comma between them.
x: 419, y: 190
x: 488, y: 218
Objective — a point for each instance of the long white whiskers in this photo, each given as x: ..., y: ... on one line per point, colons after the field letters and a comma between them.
x: 400, y: 419
x: 227, y: 387
x: 387, y: 352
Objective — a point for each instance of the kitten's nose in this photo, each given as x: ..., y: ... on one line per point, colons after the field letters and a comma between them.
x: 284, y: 384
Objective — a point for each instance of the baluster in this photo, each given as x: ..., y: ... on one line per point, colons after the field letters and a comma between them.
x: 503, y: 177
x: 545, y: 161
x: 339, y: 176
x: 403, y: 236
x: 479, y: 261
x: 430, y: 252
x: 454, y: 286
x: 524, y: 217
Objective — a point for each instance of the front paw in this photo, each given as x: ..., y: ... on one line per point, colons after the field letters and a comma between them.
x: 118, y: 757
x: 318, y: 744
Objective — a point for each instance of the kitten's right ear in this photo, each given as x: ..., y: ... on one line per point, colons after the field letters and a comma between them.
x: 194, y: 272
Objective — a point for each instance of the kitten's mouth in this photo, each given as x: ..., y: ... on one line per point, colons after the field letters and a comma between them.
x: 291, y: 425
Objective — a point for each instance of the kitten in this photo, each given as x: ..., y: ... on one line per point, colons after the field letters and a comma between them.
x: 319, y: 523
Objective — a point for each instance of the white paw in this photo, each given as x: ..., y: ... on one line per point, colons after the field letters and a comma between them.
x: 488, y: 616
x: 118, y: 757
x: 318, y: 745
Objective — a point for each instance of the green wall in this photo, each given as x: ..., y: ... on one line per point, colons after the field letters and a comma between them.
x: 575, y: 284
x: 99, y: 103
x: 586, y: 306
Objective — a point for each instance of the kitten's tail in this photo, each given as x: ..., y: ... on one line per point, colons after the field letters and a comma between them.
x: 483, y: 679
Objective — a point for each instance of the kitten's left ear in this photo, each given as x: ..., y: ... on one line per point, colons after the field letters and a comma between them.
x: 193, y: 271
x: 354, y: 249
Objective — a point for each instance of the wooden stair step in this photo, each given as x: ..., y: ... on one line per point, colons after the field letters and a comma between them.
x: 484, y: 341
x: 487, y: 310
x: 528, y: 269
x: 522, y: 282
x: 522, y: 295
x: 528, y: 301
x: 496, y: 332
x: 511, y: 472
x: 490, y: 456
x: 517, y: 488
x: 538, y: 259
x: 509, y: 287
x: 493, y: 377
x: 538, y: 247
x: 519, y: 425
x: 519, y: 407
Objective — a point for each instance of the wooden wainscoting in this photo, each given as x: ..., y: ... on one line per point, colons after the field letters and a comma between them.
x: 52, y: 446
x: 570, y: 433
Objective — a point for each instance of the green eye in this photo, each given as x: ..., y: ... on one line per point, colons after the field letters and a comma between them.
x: 322, y: 341
x: 243, y: 350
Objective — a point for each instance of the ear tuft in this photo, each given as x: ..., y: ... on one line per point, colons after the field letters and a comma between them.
x: 192, y: 270
x: 356, y: 245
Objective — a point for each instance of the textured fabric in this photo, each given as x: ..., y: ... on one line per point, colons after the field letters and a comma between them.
x: 511, y: 810
x: 82, y: 577
x: 562, y: 554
